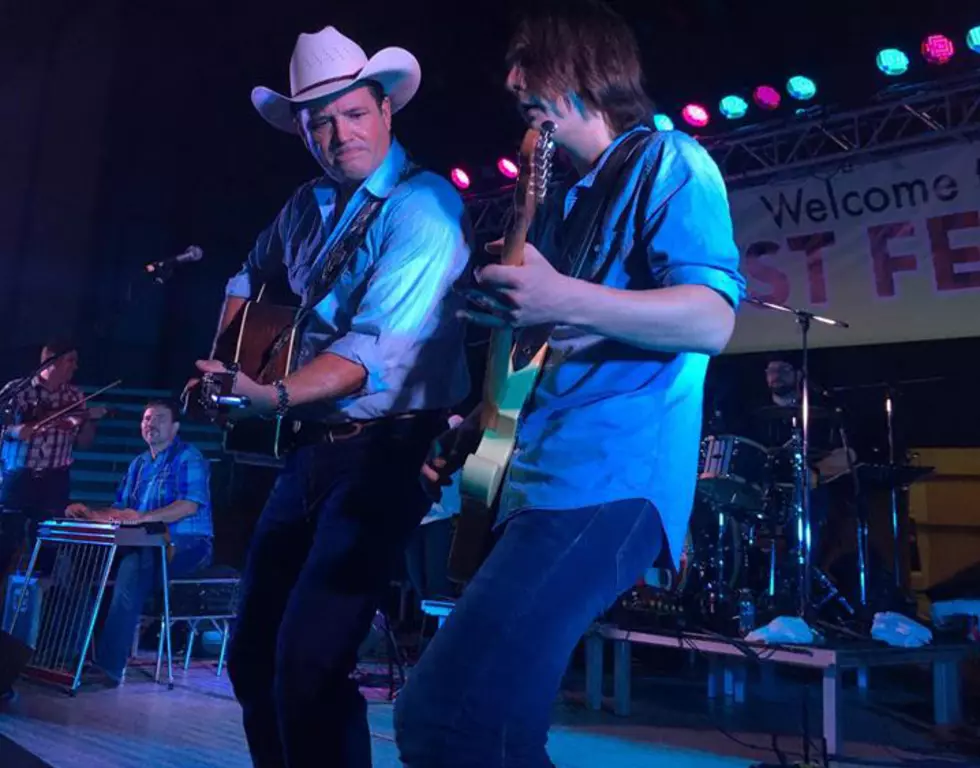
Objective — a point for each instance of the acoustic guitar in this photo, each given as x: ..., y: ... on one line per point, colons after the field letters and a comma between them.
x: 262, y: 339
x: 505, y: 389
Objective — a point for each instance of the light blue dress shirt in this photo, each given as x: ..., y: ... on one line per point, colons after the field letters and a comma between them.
x: 609, y: 421
x: 393, y: 309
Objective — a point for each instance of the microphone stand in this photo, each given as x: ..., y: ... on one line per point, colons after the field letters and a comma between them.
x: 161, y: 271
x: 8, y: 394
x: 803, y: 524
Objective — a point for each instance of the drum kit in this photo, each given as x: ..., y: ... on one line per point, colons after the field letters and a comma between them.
x: 747, y: 557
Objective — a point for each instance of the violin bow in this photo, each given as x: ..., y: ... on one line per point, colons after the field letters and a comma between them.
x: 55, y: 416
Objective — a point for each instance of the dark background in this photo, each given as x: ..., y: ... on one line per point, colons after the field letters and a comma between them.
x: 126, y: 133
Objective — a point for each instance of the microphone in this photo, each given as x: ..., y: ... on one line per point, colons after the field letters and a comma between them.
x: 160, y: 269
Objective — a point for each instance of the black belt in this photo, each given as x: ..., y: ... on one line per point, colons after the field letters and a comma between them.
x: 314, y: 432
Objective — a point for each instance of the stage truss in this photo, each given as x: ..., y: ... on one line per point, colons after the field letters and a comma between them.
x: 902, y: 119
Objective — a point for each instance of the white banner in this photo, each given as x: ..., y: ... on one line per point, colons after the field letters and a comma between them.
x: 892, y: 248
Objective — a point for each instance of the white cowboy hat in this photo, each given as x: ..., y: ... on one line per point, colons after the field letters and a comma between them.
x: 326, y: 62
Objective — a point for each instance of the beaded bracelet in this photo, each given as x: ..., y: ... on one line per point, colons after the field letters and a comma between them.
x: 282, y: 397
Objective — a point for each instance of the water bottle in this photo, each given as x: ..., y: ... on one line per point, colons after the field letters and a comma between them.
x: 746, y: 612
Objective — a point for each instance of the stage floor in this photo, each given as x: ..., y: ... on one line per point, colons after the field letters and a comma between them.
x: 142, y: 724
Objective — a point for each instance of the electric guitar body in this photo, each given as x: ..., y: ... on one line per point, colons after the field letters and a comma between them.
x: 505, y: 389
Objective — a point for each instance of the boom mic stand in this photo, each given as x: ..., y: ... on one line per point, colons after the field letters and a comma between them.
x: 804, y: 556
x: 9, y: 393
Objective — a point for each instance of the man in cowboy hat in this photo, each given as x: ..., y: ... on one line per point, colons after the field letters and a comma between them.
x: 381, y: 361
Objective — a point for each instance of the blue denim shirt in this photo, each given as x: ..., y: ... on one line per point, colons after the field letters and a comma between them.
x: 180, y: 473
x: 393, y: 309
x: 610, y: 421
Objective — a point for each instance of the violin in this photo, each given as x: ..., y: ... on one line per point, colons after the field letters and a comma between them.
x: 71, y: 416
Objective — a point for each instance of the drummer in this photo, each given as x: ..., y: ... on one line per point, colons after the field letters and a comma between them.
x: 774, y: 423
x: 773, y: 426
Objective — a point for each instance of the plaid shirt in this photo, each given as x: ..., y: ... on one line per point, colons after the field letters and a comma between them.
x: 180, y: 473
x: 52, y: 448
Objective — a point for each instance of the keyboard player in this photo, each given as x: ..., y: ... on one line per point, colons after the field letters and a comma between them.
x: 168, y: 483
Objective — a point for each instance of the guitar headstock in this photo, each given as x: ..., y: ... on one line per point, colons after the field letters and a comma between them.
x: 544, y: 153
x: 536, y: 155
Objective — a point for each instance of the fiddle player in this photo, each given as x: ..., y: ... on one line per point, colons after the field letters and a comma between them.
x: 37, y: 460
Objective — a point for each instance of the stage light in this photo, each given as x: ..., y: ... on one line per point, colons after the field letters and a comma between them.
x: 662, y: 123
x: 892, y: 62
x: 938, y: 49
x: 801, y: 88
x: 507, y: 167
x: 460, y: 178
x: 696, y: 115
x: 973, y: 39
x: 733, y: 107
x: 767, y: 97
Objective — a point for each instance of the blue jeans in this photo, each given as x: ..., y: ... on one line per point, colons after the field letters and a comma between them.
x: 481, y: 696
x: 427, y: 559
x: 322, y: 555
x: 139, y: 574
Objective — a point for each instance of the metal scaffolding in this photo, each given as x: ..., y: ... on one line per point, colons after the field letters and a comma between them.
x: 902, y: 119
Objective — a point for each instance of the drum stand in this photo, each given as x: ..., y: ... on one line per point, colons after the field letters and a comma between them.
x: 803, y: 522
x: 893, y: 490
x: 861, y: 517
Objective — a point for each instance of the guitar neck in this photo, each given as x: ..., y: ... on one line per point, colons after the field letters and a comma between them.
x: 531, y: 181
x: 502, y: 339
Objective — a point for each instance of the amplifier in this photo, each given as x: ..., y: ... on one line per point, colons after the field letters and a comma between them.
x: 199, y: 597
x: 29, y: 621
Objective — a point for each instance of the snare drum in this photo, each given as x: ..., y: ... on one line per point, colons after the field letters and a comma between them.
x: 734, y: 472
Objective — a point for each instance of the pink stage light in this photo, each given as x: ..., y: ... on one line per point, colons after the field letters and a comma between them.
x: 507, y: 167
x: 460, y: 178
x: 696, y: 115
x: 767, y: 97
x: 938, y: 49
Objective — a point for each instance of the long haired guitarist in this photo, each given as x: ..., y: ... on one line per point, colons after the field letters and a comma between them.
x: 601, y: 481
x: 380, y: 361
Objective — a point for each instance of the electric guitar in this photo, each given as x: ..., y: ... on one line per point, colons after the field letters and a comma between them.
x: 505, y: 390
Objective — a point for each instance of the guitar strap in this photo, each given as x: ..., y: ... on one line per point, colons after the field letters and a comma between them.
x: 581, y: 252
x: 335, y: 263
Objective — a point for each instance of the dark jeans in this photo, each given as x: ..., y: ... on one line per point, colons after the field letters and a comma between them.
x: 332, y: 533
x: 27, y: 498
x: 482, y: 694
x: 139, y: 574
x: 427, y: 559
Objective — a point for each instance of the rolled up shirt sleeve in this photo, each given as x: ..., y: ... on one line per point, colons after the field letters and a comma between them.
x: 688, y: 225
x: 409, y: 305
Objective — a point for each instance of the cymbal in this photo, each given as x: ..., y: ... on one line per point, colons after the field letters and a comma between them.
x: 787, y: 412
x: 889, y: 475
